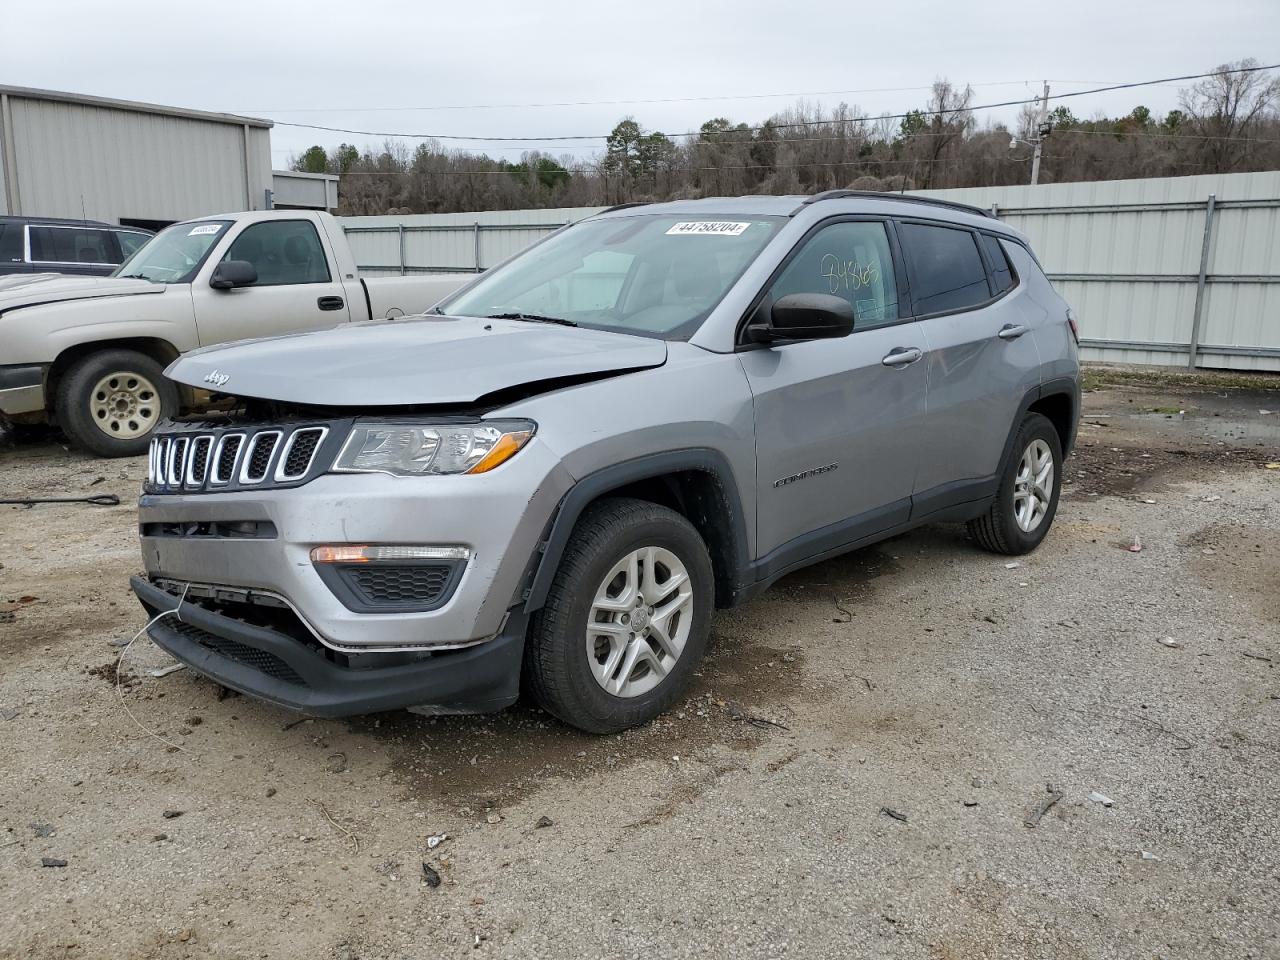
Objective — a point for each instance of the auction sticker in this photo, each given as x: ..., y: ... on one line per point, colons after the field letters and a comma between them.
x: 204, y: 228
x: 709, y: 228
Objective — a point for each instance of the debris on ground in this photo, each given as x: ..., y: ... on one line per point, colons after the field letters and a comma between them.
x: 1012, y: 565
x: 42, y: 829
x: 52, y: 862
x: 1136, y: 546
x: 493, y: 816
x: 429, y: 875
x: 159, y: 672
x: 1148, y: 855
x: 7, y: 713
x: 337, y: 763
x: 738, y: 712
x: 1169, y: 642
x: 1043, y: 806
x: 435, y: 841
x: 543, y: 823
x: 1101, y: 798
x: 890, y: 812
x: 172, y: 814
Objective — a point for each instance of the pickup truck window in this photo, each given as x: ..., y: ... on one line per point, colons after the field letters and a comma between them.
x: 72, y: 245
x: 654, y: 275
x: 174, y: 254
x: 283, y: 252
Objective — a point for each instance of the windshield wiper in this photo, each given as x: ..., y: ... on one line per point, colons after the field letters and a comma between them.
x: 532, y: 318
x: 135, y: 276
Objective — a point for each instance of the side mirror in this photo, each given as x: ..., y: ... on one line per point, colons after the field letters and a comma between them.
x: 804, y: 316
x: 233, y: 273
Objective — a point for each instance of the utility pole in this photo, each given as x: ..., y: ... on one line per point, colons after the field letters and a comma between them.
x: 1042, y: 131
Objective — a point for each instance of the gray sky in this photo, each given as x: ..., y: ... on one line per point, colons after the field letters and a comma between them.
x: 303, y: 63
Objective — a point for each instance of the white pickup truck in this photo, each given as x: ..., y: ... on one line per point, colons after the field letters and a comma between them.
x: 89, y: 352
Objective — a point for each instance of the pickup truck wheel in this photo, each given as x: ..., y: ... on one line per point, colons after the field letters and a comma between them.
x: 1024, y: 507
x: 626, y: 619
x: 109, y: 402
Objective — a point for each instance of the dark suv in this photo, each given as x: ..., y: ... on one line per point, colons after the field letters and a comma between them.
x: 86, y: 248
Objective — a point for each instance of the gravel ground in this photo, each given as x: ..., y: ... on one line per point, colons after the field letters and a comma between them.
x: 922, y: 695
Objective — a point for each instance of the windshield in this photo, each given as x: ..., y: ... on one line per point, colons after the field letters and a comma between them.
x: 174, y: 254
x: 653, y: 275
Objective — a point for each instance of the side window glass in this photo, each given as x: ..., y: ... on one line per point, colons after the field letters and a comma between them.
x: 944, y: 266
x: 70, y: 245
x: 1001, y: 271
x: 849, y: 260
x: 130, y: 242
x: 282, y: 251
x: 10, y: 243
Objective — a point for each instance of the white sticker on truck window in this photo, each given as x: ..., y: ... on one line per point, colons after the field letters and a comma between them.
x: 203, y: 229
x: 708, y: 228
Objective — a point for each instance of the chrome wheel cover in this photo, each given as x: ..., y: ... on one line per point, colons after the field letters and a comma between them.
x: 640, y: 620
x: 1033, y: 486
x: 124, y: 405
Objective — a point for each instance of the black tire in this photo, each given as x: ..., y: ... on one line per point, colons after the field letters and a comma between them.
x: 557, y: 672
x: 998, y: 530
x: 75, y: 402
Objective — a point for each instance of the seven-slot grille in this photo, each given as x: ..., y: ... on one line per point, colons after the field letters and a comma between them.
x: 234, y: 459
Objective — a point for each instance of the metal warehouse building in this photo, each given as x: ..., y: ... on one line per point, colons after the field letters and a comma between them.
x: 139, y: 164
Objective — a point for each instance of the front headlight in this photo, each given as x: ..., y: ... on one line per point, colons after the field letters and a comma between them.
x: 418, y: 450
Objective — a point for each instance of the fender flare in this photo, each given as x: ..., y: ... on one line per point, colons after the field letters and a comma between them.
x: 546, y: 560
x: 1059, y: 386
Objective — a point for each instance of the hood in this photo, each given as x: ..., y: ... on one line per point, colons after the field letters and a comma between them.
x: 34, y: 289
x: 411, y: 361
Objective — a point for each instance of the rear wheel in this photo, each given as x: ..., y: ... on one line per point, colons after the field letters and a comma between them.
x: 1024, y: 506
x: 110, y: 402
x: 626, y: 620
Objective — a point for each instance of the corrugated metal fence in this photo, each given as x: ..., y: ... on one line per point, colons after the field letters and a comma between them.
x: 1173, y: 271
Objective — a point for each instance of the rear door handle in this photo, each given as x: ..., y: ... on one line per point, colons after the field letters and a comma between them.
x: 902, y: 356
x: 330, y: 303
x: 1011, y: 331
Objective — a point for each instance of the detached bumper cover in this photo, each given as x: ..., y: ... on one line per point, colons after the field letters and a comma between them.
x: 275, y: 667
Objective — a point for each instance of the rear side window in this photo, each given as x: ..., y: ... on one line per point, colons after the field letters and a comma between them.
x: 72, y: 245
x: 1001, y: 271
x: 944, y: 267
x: 10, y: 242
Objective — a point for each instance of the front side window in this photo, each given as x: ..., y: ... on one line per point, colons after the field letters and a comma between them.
x: 10, y: 242
x: 848, y: 260
x: 174, y: 254
x: 282, y: 251
x: 130, y: 241
x: 71, y: 245
x: 945, y: 268
x: 656, y: 275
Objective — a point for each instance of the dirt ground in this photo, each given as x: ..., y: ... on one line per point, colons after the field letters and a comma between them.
x: 922, y: 696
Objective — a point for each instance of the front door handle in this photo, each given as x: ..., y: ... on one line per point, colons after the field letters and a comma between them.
x: 902, y: 356
x: 329, y: 303
x: 1011, y: 331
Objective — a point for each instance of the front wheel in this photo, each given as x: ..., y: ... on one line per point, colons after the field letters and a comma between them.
x: 626, y: 619
x: 109, y: 402
x: 1024, y: 506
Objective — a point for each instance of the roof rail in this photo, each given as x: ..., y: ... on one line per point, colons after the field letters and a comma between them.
x: 622, y: 206
x: 879, y: 195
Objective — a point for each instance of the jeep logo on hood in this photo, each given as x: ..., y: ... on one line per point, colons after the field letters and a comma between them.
x: 217, y: 378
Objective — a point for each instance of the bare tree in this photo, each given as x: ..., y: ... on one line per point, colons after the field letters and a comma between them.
x: 1226, y: 110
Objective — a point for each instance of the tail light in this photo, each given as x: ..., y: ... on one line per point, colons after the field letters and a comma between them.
x: 1075, y: 327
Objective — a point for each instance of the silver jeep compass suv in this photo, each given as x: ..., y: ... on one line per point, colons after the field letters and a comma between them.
x: 551, y: 480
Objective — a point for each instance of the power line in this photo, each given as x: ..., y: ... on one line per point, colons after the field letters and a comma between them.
x: 781, y: 126
x: 618, y: 103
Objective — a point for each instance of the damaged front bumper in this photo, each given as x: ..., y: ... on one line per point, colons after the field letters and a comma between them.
x: 281, y: 668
